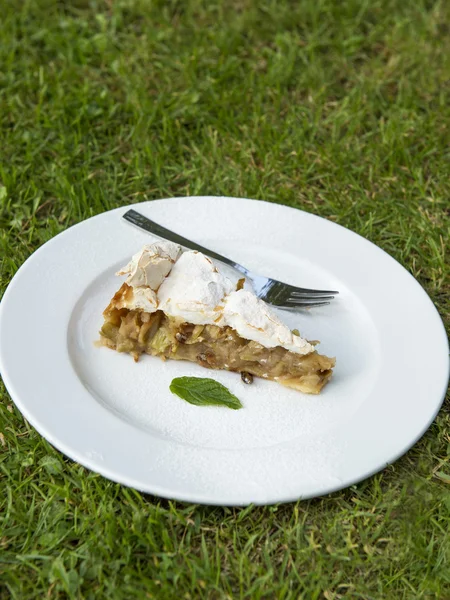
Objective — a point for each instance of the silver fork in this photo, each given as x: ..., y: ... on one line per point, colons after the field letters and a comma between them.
x: 270, y: 290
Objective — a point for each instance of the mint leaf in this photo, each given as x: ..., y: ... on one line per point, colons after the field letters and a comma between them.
x: 204, y: 392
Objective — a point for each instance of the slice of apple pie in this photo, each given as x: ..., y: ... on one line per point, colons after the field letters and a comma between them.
x: 177, y: 305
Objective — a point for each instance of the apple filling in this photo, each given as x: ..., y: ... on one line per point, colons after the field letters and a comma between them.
x: 213, y: 347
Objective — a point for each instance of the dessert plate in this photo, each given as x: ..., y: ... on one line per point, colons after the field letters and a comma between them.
x: 119, y: 418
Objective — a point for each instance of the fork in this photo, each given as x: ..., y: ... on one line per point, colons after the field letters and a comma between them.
x: 270, y: 290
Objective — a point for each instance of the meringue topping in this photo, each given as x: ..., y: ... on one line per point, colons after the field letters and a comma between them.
x: 151, y: 265
x: 189, y: 286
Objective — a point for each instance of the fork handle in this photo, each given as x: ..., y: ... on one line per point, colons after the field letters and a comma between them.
x: 132, y: 216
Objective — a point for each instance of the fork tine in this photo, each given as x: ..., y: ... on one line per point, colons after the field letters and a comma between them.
x: 300, y: 297
x: 305, y: 298
x: 291, y: 305
x: 305, y: 293
x: 306, y: 301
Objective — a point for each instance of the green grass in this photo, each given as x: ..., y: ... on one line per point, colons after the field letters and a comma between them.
x: 341, y: 108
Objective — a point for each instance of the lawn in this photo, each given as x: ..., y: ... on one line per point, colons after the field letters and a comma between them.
x: 340, y: 108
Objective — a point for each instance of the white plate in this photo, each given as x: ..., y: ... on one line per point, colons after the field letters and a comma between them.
x: 119, y: 418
